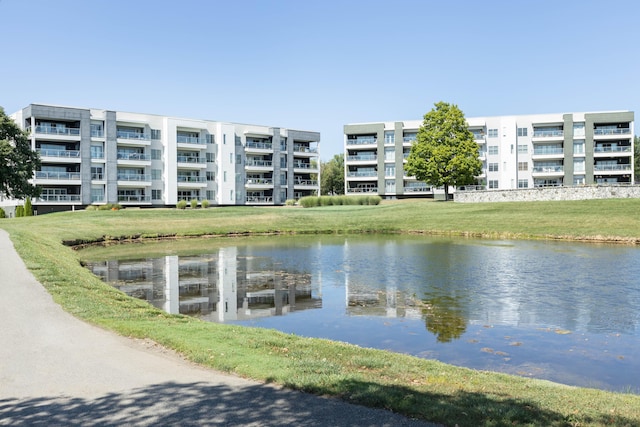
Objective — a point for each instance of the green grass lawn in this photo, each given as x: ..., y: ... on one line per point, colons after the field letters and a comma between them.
x: 416, y: 387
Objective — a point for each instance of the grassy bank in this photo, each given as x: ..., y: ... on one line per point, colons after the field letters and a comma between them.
x: 419, y: 388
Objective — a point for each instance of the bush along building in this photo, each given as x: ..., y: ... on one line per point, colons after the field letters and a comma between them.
x: 518, y: 152
x: 96, y: 157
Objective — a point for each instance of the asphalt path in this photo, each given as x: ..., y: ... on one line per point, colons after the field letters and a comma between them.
x: 57, y: 370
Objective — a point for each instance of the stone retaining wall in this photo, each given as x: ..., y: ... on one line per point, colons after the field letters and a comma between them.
x: 549, y: 193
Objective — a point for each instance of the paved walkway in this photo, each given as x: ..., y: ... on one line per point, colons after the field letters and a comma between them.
x: 58, y: 370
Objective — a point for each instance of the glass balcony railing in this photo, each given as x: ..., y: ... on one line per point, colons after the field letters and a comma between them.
x: 62, y: 198
x: 611, y: 167
x: 97, y: 176
x: 123, y: 134
x: 259, y: 199
x: 300, y: 165
x: 136, y: 198
x: 260, y: 181
x: 260, y: 145
x: 191, y: 159
x: 259, y: 163
x: 304, y: 149
x: 548, y: 169
x: 133, y: 156
x: 618, y: 149
x: 542, y: 151
x: 417, y: 189
x: 55, y: 130
x: 191, y: 178
x: 95, y: 133
x: 362, y: 174
x: 362, y: 158
x: 58, y: 175
x: 612, y: 131
x: 191, y: 139
x: 547, y: 133
x: 363, y: 140
x: 59, y: 153
x: 362, y: 190
x: 133, y: 177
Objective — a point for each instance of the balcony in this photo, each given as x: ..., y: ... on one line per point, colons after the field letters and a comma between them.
x: 136, y: 136
x: 55, y: 130
x: 97, y: 176
x: 134, y: 157
x: 97, y: 133
x: 612, y: 150
x: 362, y: 174
x: 60, y: 154
x: 609, y: 167
x: 417, y: 189
x: 191, y: 162
x: 130, y: 177
x: 363, y: 189
x: 250, y: 182
x: 305, y: 183
x: 59, y: 198
x: 259, y: 199
x: 471, y: 188
x: 612, y: 131
x: 300, y: 148
x: 555, y: 133
x: 362, y: 158
x: 548, y: 170
x: 136, y: 198
x: 253, y: 145
x: 192, y: 178
x: 189, y: 139
x: 60, y: 176
x: 302, y: 165
x: 362, y: 140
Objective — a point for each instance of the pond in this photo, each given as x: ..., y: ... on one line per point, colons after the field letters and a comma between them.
x: 565, y: 312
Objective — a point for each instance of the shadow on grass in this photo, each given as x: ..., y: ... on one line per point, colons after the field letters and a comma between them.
x: 465, y: 408
x: 195, y: 404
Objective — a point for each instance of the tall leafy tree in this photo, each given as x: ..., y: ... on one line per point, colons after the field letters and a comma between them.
x: 17, y: 160
x: 332, y: 175
x: 445, y: 152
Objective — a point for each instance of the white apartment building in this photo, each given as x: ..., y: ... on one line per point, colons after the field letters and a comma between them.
x: 516, y: 152
x: 92, y: 156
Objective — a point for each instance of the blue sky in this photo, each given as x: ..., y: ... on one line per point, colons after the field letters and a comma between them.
x: 317, y: 65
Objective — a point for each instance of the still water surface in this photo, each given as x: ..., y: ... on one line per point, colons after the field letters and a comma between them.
x: 553, y: 310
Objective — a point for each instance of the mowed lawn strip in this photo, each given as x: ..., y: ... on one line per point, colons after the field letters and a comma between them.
x: 416, y: 387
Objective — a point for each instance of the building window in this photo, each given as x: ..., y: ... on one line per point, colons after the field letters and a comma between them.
x: 224, y: 139
x: 493, y: 183
x: 211, y: 157
x: 493, y: 150
x: 492, y: 133
x: 224, y: 176
x: 97, y: 130
x: 156, y: 134
x: 211, y: 176
x: 156, y: 194
x: 211, y: 194
x: 231, y: 158
x: 97, y: 152
x: 522, y: 131
x: 523, y: 183
x: 156, y: 174
x: 156, y: 154
x: 578, y: 165
x: 523, y: 149
x: 211, y: 139
x: 239, y: 159
x: 389, y: 154
x: 578, y: 130
x: 578, y: 180
x: 389, y: 137
x: 578, y: 146
x: 390, y: 170
x: 493, y: 167
x: 523, y: 166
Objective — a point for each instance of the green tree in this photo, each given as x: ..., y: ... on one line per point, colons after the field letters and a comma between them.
x: 17, y: 161
x: 28, y: 209
x: 332, y: 175
x: 636, y: 158
x: 445, y: 152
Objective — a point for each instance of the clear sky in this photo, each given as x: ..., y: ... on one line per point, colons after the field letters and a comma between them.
x: 317, y: 65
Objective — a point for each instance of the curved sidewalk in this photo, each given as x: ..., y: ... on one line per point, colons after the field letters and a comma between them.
x: 58, y: 370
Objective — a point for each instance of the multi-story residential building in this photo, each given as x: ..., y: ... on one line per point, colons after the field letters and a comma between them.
x: 91, y: 156
x: 516, y: 152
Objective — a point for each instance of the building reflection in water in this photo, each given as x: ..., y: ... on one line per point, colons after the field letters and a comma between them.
x: 217, y: 287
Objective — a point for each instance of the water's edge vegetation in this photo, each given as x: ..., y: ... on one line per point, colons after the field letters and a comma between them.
x: 419, y: 388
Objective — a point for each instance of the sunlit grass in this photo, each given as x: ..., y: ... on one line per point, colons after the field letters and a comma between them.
x: 416, y: 387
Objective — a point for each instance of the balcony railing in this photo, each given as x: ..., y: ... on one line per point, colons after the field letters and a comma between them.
x: 133, y: 177
x: 259, y: 199
x: 191, y: 159
x: 260, y: 145
x: 260, y: 163
x: 50, y: 130
x: 261, y: 181
x: 97, y: 133
x: 610, y: 167
x: 361, y: 174
x: 304, y: 149
x: 539, y: 151
x: 471, y: 188
x: 123, y: 134
x: 133, y: 156
x: 363, y: 141
x: 548, y: 169
x: 612, y: 131
x: 618, y: 149
x: 547, y: 133
x: 191, y: 178
x: 133, y: 198
x: 306, y: 182
x: 362, y: 158
x: 363, y: 190
x: 59, y: 198
x: 191, y: 139
x: 59, y: 153
x: 417, y: 189
x: 408, y: 139
x: 58, y: 175
x: 300, y: 165
x: 97, y: 176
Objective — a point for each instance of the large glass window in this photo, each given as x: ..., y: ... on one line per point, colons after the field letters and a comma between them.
x: 523, y: 166
x: 578, y: 146
x: 578, y: 165
x: 493, y: 167
x: 97, y: 151
x: 522, y: 131
x: 523, y: 183
x: 389, y: 137
x: 493, y: 183
x: 578, y: 129
x: 493, y: 150
x: 523, y: 148
x: 156, y: 154
x: 390, y: 170
x: 493, y: 133
x: 389, y: 153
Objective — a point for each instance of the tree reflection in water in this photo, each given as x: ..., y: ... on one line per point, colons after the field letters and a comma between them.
x: 444, y: 317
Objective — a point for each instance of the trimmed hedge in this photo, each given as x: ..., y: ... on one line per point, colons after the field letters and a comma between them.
x: 314, y: 201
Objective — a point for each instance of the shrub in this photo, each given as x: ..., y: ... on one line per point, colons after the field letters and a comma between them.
x: 374, y: 200
x: 194, y: 203
x: 28, y: 209
x: 325, y: 201
x: 3, y: 214
x: 205, y: 203
x: 110, y: 207
x: 91, y: 208
x: 182, y: 204
x: 308, y: 201
x: 19, y: 211
x: 290, y: 202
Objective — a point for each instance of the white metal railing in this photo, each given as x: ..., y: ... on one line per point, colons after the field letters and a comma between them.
x: 52, y: 130
x: 124, y: 134
x: 547, y: 169
x: 618, y: 149
x: 612, y: 131
x: 261, y: 181
x: 259, y: 199
x: 609, y: 167
x: 416, y: 189
x: 58, y: 175
x: 59, y: 153
x: 363, y: 190
x: 133, y: 177
x: 123, y: 155
x: 133, y: 198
